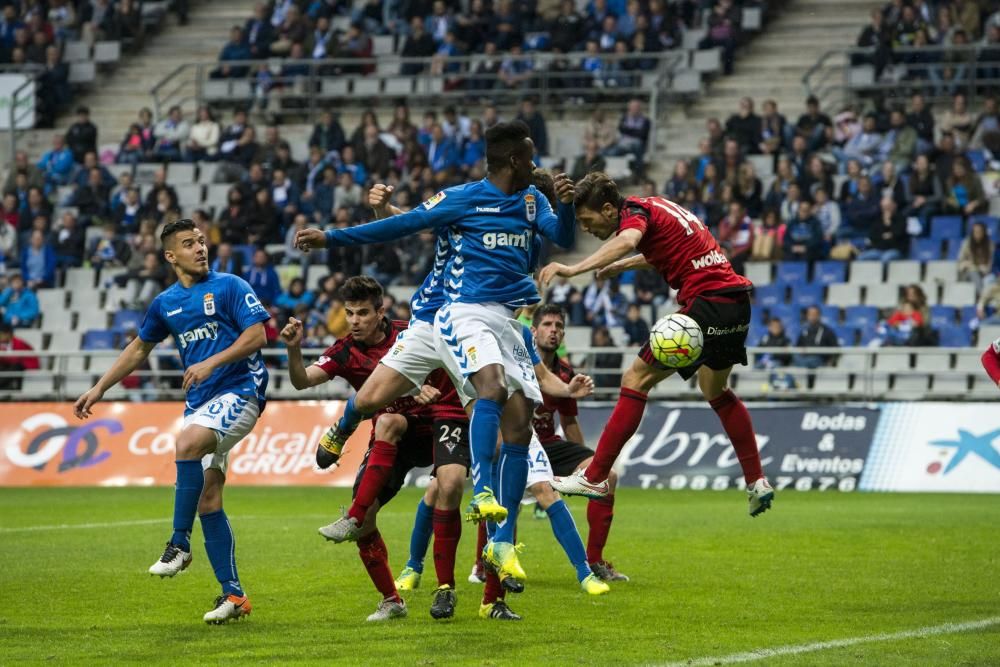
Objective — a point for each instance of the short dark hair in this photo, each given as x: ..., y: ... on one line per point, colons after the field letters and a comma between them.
x: 171, y: 228
x: 543, y: 181
x: 547, y: 309
x: 362, y: 288
x: 595, y: 190
x: 502, y: 141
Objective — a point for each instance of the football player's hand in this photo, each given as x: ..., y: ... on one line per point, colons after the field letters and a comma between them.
x: 196, y: 374
x: 291, y: 335
x: 83, y: 404
x: 581, y: 386
x: 550, y: 271
x: 565, y: 190
x: 427, y: 395
x: 378, y: 198
x: 307, y: 239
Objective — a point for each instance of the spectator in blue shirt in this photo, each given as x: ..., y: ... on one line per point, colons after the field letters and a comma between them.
x: 38, y: 262
x: 18, y: 304
x: 803, y: 235
x: 474, y: 150
x: 57, y: 163
x: 234, y: 51
x: 349, y: 164
x: 442, y: 154
x: 263, y: 278
x: 295, y: 295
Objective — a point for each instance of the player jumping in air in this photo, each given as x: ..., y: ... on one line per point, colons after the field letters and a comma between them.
x: 673, y: 241
x: 217, y: 323
x: 407, y: 434
x: 493, y: 224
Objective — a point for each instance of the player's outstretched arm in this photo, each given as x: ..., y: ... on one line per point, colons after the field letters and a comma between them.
x: 302, y: 376
x: 620, y: 246
x: 250, y: 341
x: 580, y: 386
x: 134, y: 354
x: 633, y: 263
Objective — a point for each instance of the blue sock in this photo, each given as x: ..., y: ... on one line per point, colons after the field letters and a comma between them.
x: 569, y: 537
x: 420, y: 538
x: 221, y: 548
x: 187, y: 493
x: 483, y: 430
x: 351, y: 418
x: 513, y: 478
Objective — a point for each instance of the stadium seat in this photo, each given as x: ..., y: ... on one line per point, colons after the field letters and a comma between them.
x: 925, y: 249
x: 32, y: 337
x: 950, y: 384
x: 931, y: 290
x: 706, y: 61
x: 217, y: 195
x: 891, y: 361
x: 80, y: 278
x: 51, y: 300
x: 768, y: 295
x: 862, y: 76
x: 577, y: 337
x: 829, y: 314
x: 64, y: 340
x: 966, y: 314
x: 830, y: 271
x: 91, y: 318
x: 988, y: 333
x: 904, y: 271
x: 207, y: 172
x: 843, y: 295
x: 947, y: 227
x: 829, y: 381
x: 806, y: 294
x: 752, y: 18
x: 954, y: 335
x: 107, y: 52
x: 75, y: 52
x: 36, y: 385
x: 933, y: 361
x: 943, y: 315
x: 763, y: 165
x: 793, y: 273
x: 618, y: 167
x: 978, y: 159
x: 127, y: 319
x: 958, y: 294
x: 82, y: 72
x: 952, y: 248
x: 106, y: 276
x: 100, y: 339
x: 866, y: 273
x: 788, y: 313
x: 188, y: 194
x: 882, y: 295
x: 915, y: 384
x: 180, y: 173
x: 315, y: 276
x: 941, y: 270
x: 861, y: 316
x: 968, y: 361
x: 847, y: 334
x: 759, y: 273
x: 853, y: 362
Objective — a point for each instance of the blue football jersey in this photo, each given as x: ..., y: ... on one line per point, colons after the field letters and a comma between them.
x: 426, y: 300
x: 204, y: 320
x: 492, y: 238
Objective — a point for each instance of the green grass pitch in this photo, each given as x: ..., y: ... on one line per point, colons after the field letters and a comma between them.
x: 707, y: 581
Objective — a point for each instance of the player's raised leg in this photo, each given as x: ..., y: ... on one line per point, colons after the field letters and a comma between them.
x: 736, y: 422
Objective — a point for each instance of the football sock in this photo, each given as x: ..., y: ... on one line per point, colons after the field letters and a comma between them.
x: 187, y: 493
x: 447, y: 532
x: 600, y: 512
x: 480, y: 542
x: 220, y: 545
x: 375, y: 557
x: 737, y: 424
x: 493, y: 591
x: 421, y: 536
x: 483, y: 430
x: 378, y: 468
x: 513, y: 478
x: 621, y: 426
x: 568, y: 537
x: 351, y: 418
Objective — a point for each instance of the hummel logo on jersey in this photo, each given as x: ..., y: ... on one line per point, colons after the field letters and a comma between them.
x: 208, y: 332
x: 487, y: 209
x: 171, y: 313
x: 711, y: 259
x: 493, y: 240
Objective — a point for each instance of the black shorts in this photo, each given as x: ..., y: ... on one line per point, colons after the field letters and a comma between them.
x: 565, y: 456
x: 425, y: 443
x: 725, y: 321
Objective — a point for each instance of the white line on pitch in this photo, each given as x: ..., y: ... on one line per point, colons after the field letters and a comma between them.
x: 765, y: 653
x: 143, y: 522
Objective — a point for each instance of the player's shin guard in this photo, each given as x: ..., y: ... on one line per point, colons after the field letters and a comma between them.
x: 568, y: 537
x: 447, y: 532
x: 600, y: 513
x: 513, y: 477
x: 220, y: 544
x: 420, y: 538
x: 187, y: 493
x: 351, y: 418
x: 375, y: 557
x: 736, y: 422
x: 483, y: 430
x: 621, y: 426
x: 377, y: 471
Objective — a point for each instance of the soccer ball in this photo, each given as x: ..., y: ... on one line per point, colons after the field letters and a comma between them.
x: 676, y: 341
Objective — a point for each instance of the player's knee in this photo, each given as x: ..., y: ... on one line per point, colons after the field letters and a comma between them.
x: 431, y: 494
x: 390, y: 428
x: 490, y: 384
x: 451, y: 484
x: 712, y: 383
x: 194, y: 445
x: 639, y: 377
x: 517, y: 433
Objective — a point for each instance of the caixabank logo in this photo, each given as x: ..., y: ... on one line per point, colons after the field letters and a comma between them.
x: 46, y: 440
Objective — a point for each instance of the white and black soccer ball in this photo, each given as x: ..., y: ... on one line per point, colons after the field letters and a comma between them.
x: 676, y: 341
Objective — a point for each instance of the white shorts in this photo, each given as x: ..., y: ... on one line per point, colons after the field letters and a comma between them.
x: 471, y: 336
x: 539, y: 468
x: 415, y: 356
x: 232, y: 417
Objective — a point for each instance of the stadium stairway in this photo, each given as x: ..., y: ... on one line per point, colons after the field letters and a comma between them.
x: 771, y: 66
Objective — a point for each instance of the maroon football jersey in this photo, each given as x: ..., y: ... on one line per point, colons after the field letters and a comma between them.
x: 544, y: 419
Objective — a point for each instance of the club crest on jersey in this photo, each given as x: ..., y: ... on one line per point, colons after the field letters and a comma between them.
x: 471, y: 354
x: 397, y: 349
x: 209, y: 304
x: 435, y: 200
x: 530, y: 209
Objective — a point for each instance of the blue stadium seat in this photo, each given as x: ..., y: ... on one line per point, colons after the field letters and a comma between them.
x: 978, y: 160
x: 755, y: 333
x: 947, y: 227
x: 846, y: 334
x: 954, y: 246
x: 830, y: 271
x: 966, y: 314
x: 992, y: 224
x: 925, y: 250
x: 127, y: 319
x: 861, y: 316
x: 866, y: 335
x: 99, y: 339
x: 793, y: 273
x: 768, y: 295
x: 942, y: 316
x: 954, y: 335
x: 807, y: 294
x: 830, y: 314
x: 786, y: 312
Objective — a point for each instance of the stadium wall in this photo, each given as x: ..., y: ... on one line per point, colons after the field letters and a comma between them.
x: 942, y: 447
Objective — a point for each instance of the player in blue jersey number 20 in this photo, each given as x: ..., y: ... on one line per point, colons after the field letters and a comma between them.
x: 217, y: 322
